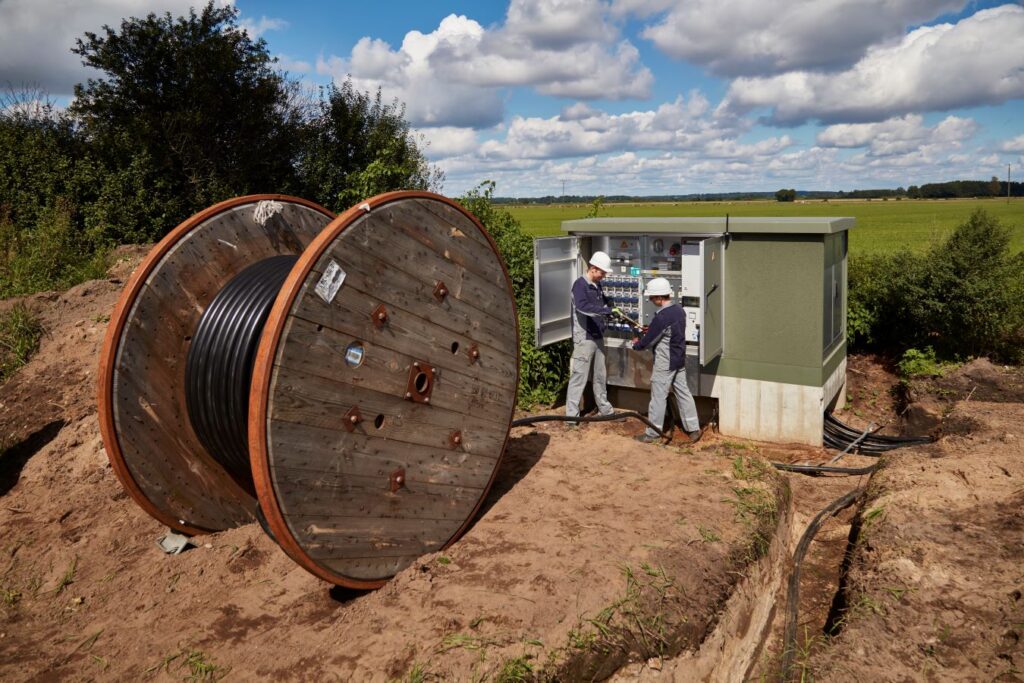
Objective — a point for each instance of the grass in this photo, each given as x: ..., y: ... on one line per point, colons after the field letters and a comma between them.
x: 515, y: 670
x: 68, y: 578
x: 200, y: 669
x: 881, y: 226
x: 708, y: 535
x: 20, y: 331
x: 754, y: 504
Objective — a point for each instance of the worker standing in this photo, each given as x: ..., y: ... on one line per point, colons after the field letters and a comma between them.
x: 589, y: 308
x: 666, y: 336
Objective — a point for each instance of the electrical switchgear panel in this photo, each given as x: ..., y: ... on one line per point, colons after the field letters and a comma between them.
x: 692, y: 264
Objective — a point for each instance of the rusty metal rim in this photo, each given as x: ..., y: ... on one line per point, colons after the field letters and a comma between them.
x: 259, y: 394
x: 112, y: 341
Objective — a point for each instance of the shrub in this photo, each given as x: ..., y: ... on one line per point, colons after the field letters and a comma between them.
x: 963, y: 297
x: 51, y: 255
x: 542, y: 372
x: 917, y: 363
x: 19, y: 338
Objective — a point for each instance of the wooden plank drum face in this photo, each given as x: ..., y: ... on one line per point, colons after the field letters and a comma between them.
x: 143, y: 416
x: 386, y: 382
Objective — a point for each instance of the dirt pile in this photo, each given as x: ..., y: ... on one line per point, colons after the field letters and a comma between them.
x: 591, y: 549
x: 938, y: 567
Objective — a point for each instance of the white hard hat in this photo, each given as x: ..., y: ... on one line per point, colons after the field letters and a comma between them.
x: 602, y: 261
x: 659, y: 286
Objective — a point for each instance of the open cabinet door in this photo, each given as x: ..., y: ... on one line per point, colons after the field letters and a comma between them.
x: 555, y: 269
x: 712, y: 304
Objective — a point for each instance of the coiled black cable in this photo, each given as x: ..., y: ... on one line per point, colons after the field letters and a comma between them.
x: 218, y: 370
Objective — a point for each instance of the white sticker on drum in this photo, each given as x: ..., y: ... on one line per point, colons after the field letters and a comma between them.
x: 330, y: 281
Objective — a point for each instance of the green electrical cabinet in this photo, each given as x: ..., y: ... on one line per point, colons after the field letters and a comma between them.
x: 765, y: 300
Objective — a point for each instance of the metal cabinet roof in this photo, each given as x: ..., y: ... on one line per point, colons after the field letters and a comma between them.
x: 710, y: 225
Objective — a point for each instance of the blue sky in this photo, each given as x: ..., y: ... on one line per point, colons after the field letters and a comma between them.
x: 640, y: 96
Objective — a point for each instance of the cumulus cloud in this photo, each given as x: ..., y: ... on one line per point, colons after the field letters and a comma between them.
x: 452, y: 75
x: 448, y: 141
x: 685, y: 123
x: 977, y: 61
x: 899, y: 135
x: 1014, y: 145
x: 762, y: 37
x: 257, y: 27
x: 36, y: 37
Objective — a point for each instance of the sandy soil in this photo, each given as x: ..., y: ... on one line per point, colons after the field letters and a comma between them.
x: 591, y: 550
x: 938, y: 567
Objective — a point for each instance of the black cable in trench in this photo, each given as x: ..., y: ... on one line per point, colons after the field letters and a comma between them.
x: 793, y: 590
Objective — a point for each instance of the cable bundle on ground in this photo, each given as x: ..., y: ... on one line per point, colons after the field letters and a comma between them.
x: 843, y: 437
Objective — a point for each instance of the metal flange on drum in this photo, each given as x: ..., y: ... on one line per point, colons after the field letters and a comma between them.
x: 350, y: 380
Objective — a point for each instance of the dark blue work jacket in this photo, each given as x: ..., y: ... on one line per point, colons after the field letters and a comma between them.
x: 589, y: 307
x: 667, y: 329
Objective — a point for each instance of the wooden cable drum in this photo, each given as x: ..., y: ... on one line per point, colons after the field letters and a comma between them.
x: 144, y: 419
x: 383, y: 378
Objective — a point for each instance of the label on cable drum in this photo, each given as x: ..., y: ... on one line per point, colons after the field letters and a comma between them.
x: 330, y: 282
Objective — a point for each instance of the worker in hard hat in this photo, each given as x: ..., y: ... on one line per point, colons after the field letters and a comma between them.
x: 666, y: 336
x: 589, y: 308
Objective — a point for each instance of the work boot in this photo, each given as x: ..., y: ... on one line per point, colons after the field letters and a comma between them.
x: 694, y: 436
x: 645, y: 438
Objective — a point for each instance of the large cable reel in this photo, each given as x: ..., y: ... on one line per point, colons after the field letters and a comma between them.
x: 351, y: 380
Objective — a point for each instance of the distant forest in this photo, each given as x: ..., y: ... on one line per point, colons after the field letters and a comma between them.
x: 953, y: 189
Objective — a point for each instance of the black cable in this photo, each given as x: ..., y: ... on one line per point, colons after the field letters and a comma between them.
x: 218, y: 370
x: 793, y: 591
x: 815, y: 470
x: 523, y: 421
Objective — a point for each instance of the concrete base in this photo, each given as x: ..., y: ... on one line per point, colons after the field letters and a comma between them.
x: 772, y: 411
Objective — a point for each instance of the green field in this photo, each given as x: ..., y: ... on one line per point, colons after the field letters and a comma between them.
x: 882, y: 226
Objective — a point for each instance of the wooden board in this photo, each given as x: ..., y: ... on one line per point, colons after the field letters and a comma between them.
x: 143, y: 417
x: 326, y: 486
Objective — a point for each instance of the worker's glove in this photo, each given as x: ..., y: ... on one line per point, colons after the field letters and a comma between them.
x: 618, y: 311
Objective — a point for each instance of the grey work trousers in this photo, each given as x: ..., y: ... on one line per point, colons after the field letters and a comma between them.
x: 585, y: 354
x: 661, y: 382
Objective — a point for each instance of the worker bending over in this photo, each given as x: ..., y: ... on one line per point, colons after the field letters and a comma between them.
x: 589, y: 308
x: 666, y: 336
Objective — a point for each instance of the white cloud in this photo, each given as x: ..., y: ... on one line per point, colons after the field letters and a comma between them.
x: 452, y: 76
x: 1015, y: 145
x: 684, y: 124
x: 293, y: 66
x: 449, y: 141
x: 36, y: 37
x: 899, y: 135
x: 257, y: 27
x: 975, y: 62
x: 558, y: 24
x: 758, y: 37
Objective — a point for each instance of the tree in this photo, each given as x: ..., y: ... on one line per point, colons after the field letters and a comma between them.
x: 354, y: 146
x: 994, y: 187
x: 188, y: 111
x: 785, y: 195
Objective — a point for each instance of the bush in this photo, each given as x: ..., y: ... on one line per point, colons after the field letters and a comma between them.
x: 962, y: 298
x: 19, y: 338
x: 917, y: 363
x: 542, y: 372
x: 51, y: 255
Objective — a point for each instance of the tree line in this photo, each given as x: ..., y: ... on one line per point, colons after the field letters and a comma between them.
x: 183, y: 112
